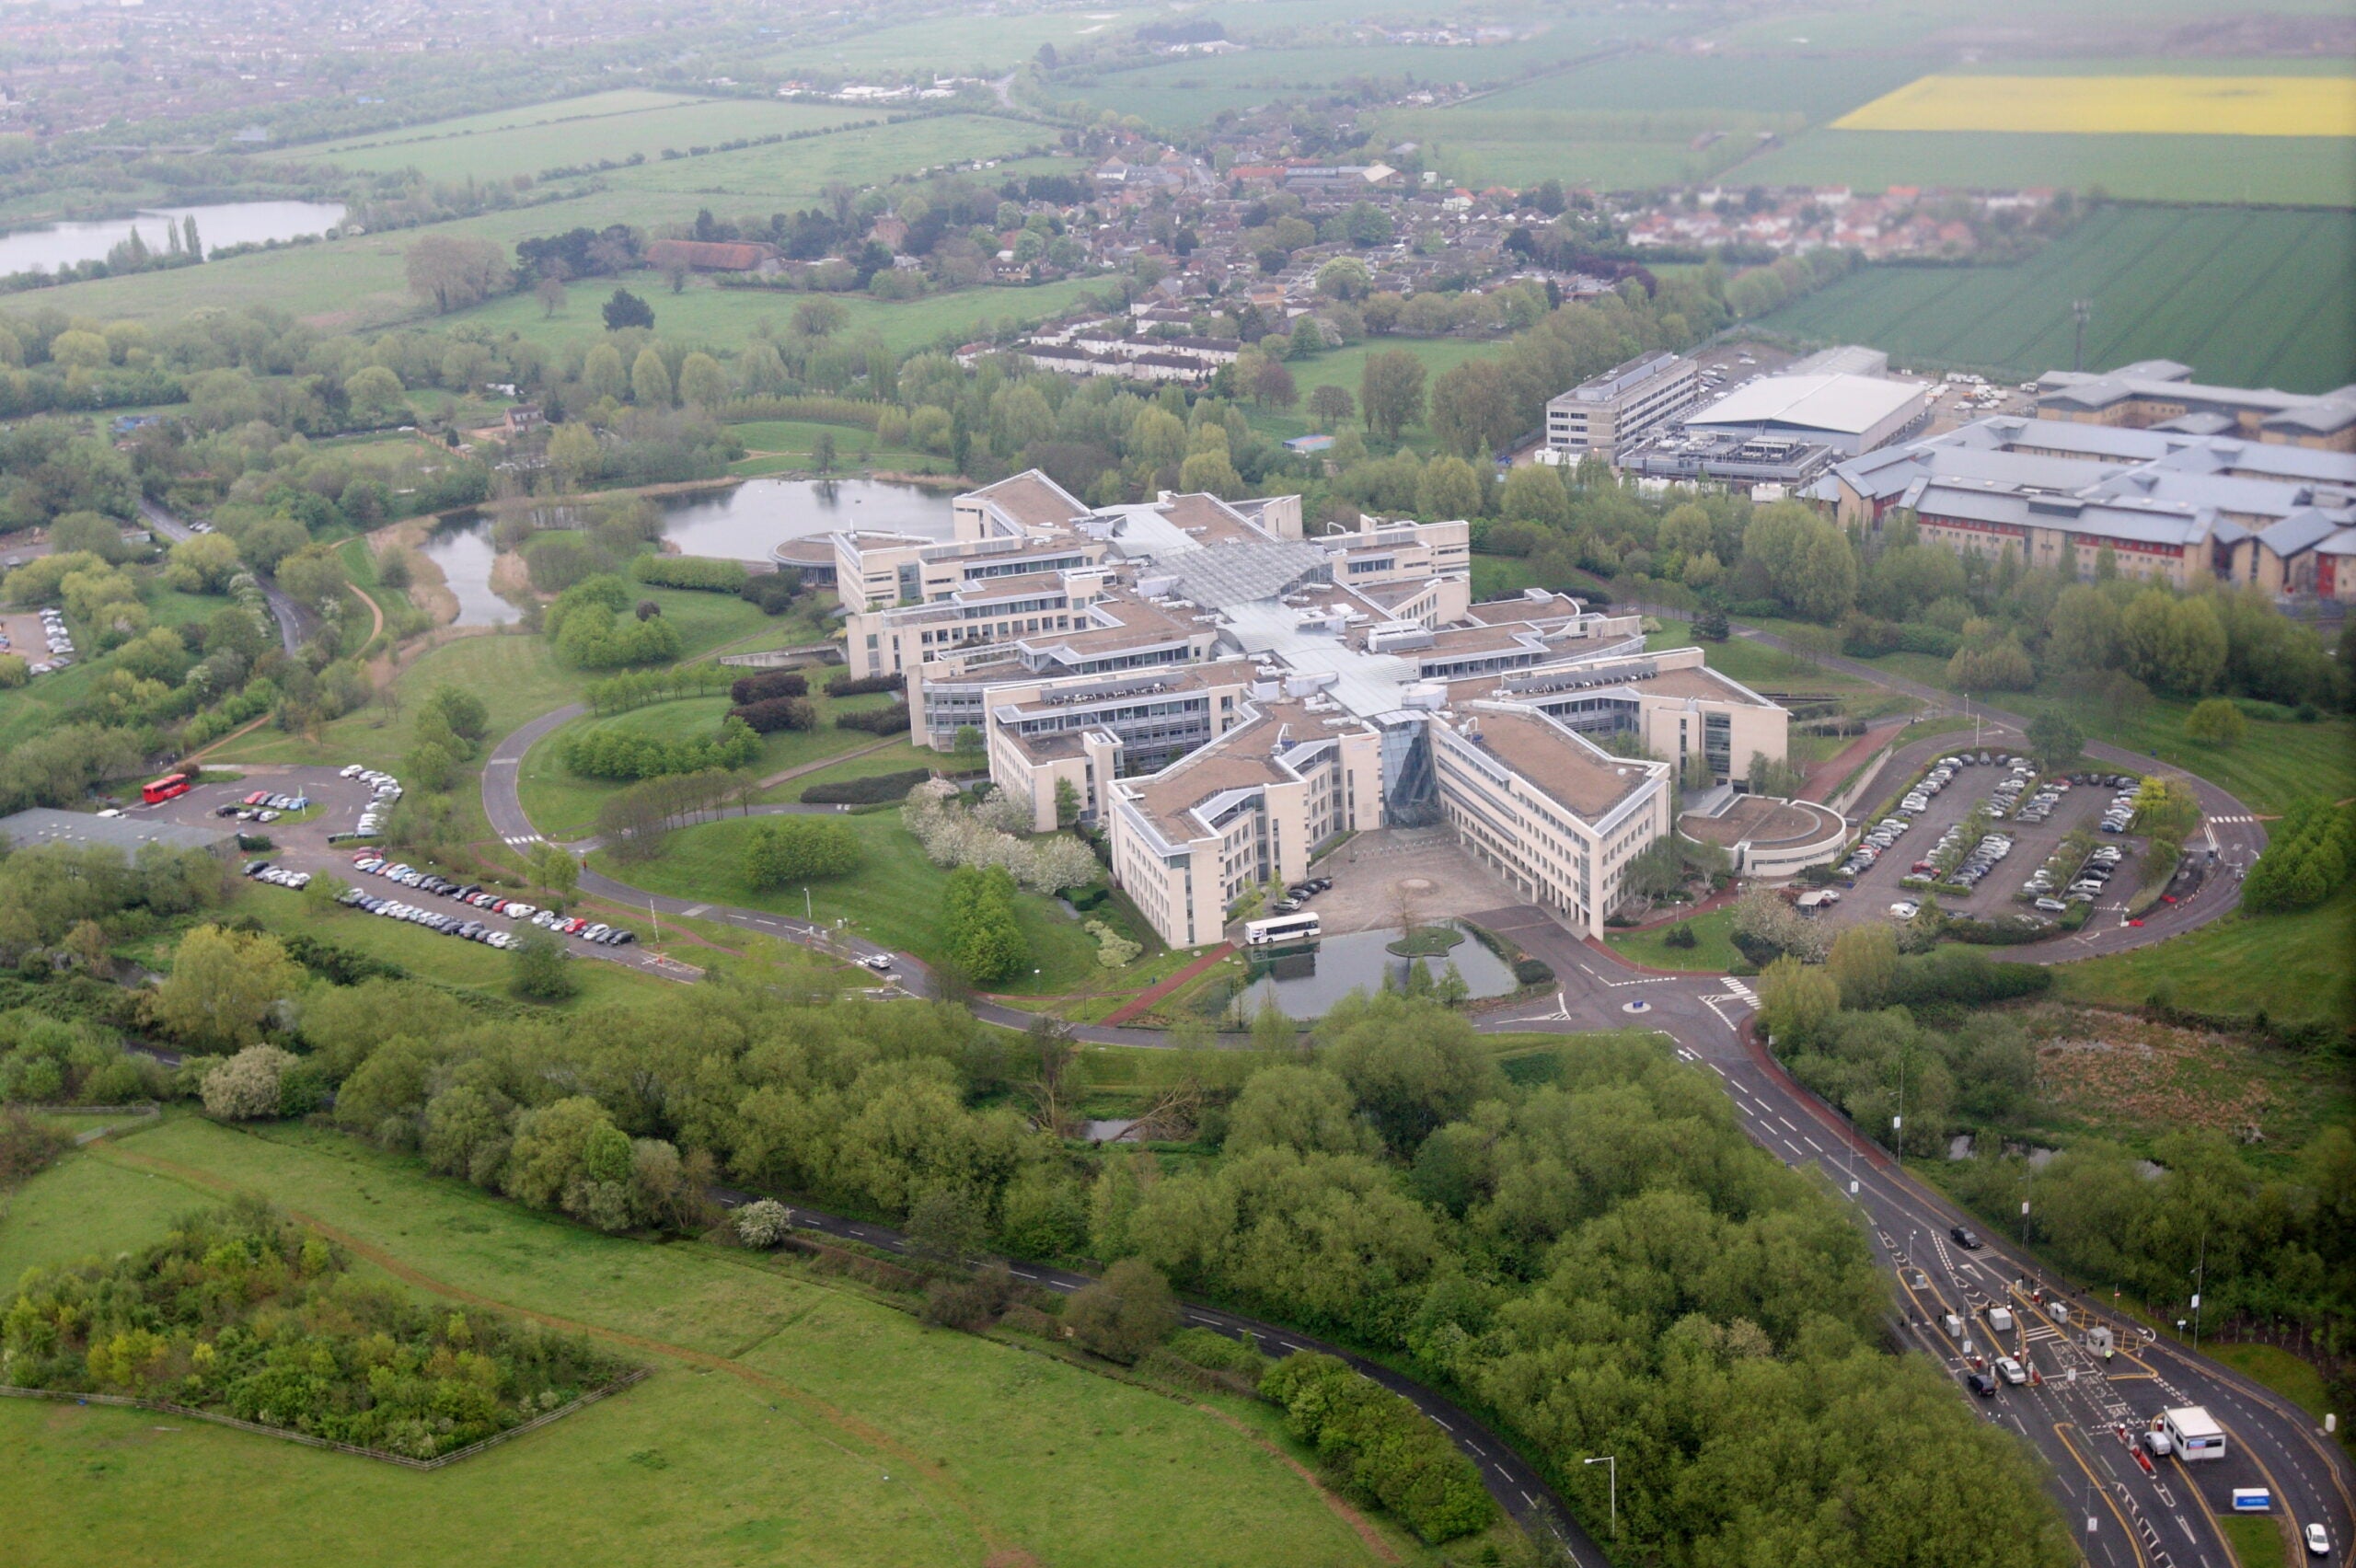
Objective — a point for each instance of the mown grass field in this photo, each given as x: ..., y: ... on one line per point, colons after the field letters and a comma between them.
x: 1712, y: 946
x: 975, y: 45
x: 781, y: 447
x: 564, y: 806
x: 892, y: 898
x: 727, y: 320
x: 2247, y: 299
x: 2295, y: 966
x: 788, y: 1419
x: 571, y: 131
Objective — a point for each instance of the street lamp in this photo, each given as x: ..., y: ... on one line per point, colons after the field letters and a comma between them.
x: 1613, y: 1472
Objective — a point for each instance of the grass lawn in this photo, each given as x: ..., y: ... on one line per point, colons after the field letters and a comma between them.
x: 775, y: 446
x: 1345, y: 368
x: 898, y: 757
x: 892, y: 898
x: 2286, y: 1373
x: 432, y: 956
x: 564, y: 806
x: 789, y: 1419
x: 2295, y: 966
x: 1712, y: 946
x: 2257, y: 1541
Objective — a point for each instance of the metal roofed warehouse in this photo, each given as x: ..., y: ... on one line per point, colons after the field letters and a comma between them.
x: 1851, y: 414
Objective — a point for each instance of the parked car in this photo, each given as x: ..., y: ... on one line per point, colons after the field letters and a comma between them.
x: 2013, y: 1371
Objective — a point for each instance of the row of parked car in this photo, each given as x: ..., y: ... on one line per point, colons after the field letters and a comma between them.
x: 2090, y: 880
x: 1880, y: 837
x: 482, y: 898
x: 60, y: 640
x: 1298, y: 894
x: 383, y: 790
x: 2120, y: 815
x: 277, y: 875
x: 263, y: 806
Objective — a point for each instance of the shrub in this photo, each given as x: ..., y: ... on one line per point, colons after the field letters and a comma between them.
x: 1532, y: 971
x: 774, y: 713
x: 543, y: 971
x: 1679, y: 936
x: 891, y: 720
x: 690, y: 571
x: 842, y: 685
x: 764, y: 1222
x: 1380, y: 1447
x: 875, y: 790
x: 773, y: 591
x: 768, y: 684
x: 1124, y: 1314
x: 610, y: 753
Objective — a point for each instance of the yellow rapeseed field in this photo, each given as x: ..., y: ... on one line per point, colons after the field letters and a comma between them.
x: 2206, y: 106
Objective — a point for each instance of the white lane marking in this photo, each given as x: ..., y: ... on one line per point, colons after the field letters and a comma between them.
x: 1811, y: 1143
x: 1787, y: 1126
x: 1025, y: 1274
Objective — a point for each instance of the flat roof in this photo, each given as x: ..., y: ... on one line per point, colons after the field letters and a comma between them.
x: 1850, y: 405
x: 1557, y: 763
x: 1621, y: 379
x: 1033, y: 499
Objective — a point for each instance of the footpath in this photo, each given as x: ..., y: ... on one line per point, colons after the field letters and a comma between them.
x: 1152, y: 994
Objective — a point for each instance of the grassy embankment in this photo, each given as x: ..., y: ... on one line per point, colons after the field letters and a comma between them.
x: 789, y: 1416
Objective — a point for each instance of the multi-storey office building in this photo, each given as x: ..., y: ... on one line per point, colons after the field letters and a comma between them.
x: 1221, y: 692
x: 1607, y: 412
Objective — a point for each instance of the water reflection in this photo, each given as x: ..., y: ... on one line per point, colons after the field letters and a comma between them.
x: 464, y: 551
x: 744, y: 522
x: 1306, y: 984
x: 225, y: 222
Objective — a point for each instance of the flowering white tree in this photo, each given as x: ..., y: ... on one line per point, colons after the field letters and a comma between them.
x: 954, y: 834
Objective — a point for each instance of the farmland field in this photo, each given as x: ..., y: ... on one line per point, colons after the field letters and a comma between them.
x: 788, y: 1419
x: 573, y: 130
x: 980, y: 44
x: 2307, y: 171
x: 2247, y: 299
x: 2177, y: 105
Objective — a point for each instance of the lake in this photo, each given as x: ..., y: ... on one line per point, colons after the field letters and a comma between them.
x: 747, y: 523
x: 1306, y: 984
x: 741, y: 524
x: 226, y: 223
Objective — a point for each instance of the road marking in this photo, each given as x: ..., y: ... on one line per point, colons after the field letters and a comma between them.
x: 693, y: 910
x: 1526, y: 1497
x: 1787, y: 1126
x: 1025, y: 1273
x: 1811, y: 1143
x: 1444, y: 1427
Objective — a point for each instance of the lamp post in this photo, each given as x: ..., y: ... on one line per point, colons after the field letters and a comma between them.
x: 1612, y: 1460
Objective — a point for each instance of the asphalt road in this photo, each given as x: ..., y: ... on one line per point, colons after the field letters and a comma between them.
x: 2078, y: 1408
x: 295, y: 622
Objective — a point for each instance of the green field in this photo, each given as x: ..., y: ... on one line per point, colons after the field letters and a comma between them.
x: 727, y: 318
x: 894, y: 898
x: 977, y: 45
x: 2288, y: 964
x: 571, y: 131
x: 2247, y: 299
x: 1712, y: 946
x: 775, y: 446
x: 565, y: 807
x: 790, y: 1418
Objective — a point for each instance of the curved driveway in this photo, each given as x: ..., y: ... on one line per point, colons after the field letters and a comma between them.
x: 2074, y: 1411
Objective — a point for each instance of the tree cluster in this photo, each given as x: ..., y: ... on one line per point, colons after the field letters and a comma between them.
x: 2309, y: 853
x: 586, y: 625
x: 800, y: 849
x: 614, y: 754
x: 1383, y: 1447
x: 979, y: 931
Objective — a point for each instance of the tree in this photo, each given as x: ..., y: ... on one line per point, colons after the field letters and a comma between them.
x: 603, y: 370
x: 1124, y: 1314
x: 374, y: 395
x: 549, y: 292
x: 2216, y: 721
x: 2054, y: 739
x: 1862, y: 964
x: 650, y: 380
x: 764, y: 1223
x: 1807, y: 560
x: 1212, y: 472
x: 626, y: 309
x: 702, y: 383
x: 1796, y: 1002
x: 1410, y: 1065
x: 247, y: 1086
x: 822, y: 452
x: 204, y: 564
x: 1448, y: 490
x: 1067, y: 803
x: 454, y: 272
x: 223, y: 986
x: 1330, y: 406
x: 946, y: 1229
x: 553, y: 871
x: 1390, y: 390
x: 1304, y: 1108
x: 1534, y: 493
x: 542, y: 970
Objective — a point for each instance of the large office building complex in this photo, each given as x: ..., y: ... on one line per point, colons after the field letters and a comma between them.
x: 1223, y: 690
x: 1622, y: 404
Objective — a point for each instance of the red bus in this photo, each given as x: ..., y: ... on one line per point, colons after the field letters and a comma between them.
x: 163, y: 789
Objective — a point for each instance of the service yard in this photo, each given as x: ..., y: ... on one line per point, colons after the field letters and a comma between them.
x: 1881, y: 885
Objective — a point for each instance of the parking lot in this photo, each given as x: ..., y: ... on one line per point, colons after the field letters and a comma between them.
x: 2083, y: 805
x: 337, y: 804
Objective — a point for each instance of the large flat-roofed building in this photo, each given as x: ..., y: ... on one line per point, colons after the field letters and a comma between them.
x: 1848, y: 414
x: 2181, y: 506
x: 1222, y: 690
x: 83, y: 830
x: 1622, y: 404
x: 2162, y: 394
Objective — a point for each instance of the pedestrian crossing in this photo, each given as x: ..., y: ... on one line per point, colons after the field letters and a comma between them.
x: 524, y: 840
x: 2231, y: 821
x: 1741, y: 990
